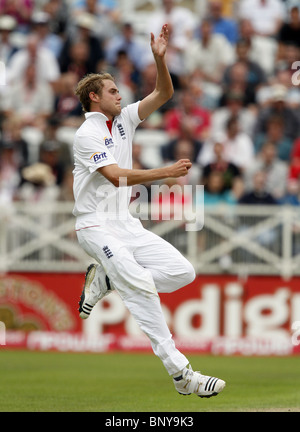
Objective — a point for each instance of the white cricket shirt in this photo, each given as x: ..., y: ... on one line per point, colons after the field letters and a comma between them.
x: 96, y: 198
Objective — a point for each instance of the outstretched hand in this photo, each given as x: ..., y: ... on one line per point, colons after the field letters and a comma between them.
x: 159, y: 45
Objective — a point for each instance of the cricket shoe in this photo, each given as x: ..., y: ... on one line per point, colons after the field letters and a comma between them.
x: 91, y: 295
x: 194, y: 382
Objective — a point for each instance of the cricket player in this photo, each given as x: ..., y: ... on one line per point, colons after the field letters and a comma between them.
x: 131, y: 260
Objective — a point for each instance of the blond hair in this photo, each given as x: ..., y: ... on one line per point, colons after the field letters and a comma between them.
x: 92, y: 82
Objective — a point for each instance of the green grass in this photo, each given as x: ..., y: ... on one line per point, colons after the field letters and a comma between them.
x: 123, y: 382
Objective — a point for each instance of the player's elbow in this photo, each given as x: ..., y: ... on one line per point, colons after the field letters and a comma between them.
x: 112, y: 174
x: 171, y: 92
x: 119, y: 181
x: 115, y: 180
x: 164, y: 94
x: 167, y: 94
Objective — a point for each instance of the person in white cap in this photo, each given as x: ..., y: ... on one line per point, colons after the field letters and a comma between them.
x: 135, y: 262
x: 7, y: 48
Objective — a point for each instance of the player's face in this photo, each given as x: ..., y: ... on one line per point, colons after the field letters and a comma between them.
x: 110, y: 100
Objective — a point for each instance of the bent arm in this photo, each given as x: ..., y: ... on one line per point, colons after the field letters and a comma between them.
x: 132, y: 177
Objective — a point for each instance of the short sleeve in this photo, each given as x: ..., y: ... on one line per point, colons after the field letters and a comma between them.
x: 93, y: 153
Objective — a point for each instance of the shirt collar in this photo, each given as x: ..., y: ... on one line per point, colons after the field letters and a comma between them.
x: 96, y: 113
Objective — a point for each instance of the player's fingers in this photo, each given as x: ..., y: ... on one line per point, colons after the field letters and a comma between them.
x: 187, y: 163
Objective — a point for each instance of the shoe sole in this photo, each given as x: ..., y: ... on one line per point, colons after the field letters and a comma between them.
x: 207, y: 396
x: 86, y: 309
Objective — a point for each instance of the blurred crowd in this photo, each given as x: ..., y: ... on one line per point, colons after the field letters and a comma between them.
x: 235, y: 111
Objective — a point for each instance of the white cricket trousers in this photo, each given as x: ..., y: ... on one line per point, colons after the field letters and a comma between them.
x: 140, y: 265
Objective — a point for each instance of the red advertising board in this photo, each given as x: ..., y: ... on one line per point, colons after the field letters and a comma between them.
x: 216, y: 314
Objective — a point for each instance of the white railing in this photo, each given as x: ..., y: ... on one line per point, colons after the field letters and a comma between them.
x: 241, y: 240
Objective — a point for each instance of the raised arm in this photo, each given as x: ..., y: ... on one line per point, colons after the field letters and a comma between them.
x: 164, y: 87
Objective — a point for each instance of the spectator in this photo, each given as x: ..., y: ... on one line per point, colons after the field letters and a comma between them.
x: 67, y: 106
x: 222, y: 25
x: 38, y: 184
x: 126, y: 41
x: 238, y: 147
x: 51, y: 133
x: 181, y: 24
x: 290, y: 29
x: 66, y: 187
x: 185, y: 147
x: 47, y: 67
x: 283, y: 78
x: 287, y: 55
x: 21, y: 10
x: 236, y: 81
x: 255, y: 74
x: 278, y: 107
x: 180, y: 19
x: 40, y: 24
x: 291, y: 196
x: 127, y: 76
x: 206, y: 95
x: 148, y: 79
x: 219, y: 163
x: 266, y: 16
x: 214, y: 191
x: 12, y: 136
x: 82, y: 50
x: 29, y: 99
x: 210, y: 55
x: 187, y: 112
x: 106, y: 12
x: 137, y: 150
x: 233, y: 107
x: 7, y: 47
x: 262, y: 49
x: 13, y: 157
x: 78, y: 60
x: 50, y: 155
x: 275, y: 169
x: 58, y: 11
x: 258, y: 194
x: 275, y: 134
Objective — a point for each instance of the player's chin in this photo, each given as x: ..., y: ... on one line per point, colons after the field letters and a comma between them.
x: 118, y: 110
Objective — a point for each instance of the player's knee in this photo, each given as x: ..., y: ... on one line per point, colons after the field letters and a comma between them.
x: 186, y: 276
x: 190, y: 273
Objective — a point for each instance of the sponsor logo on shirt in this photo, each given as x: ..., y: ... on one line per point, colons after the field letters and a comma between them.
x: 108, y: 142
x: 99, y: 157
